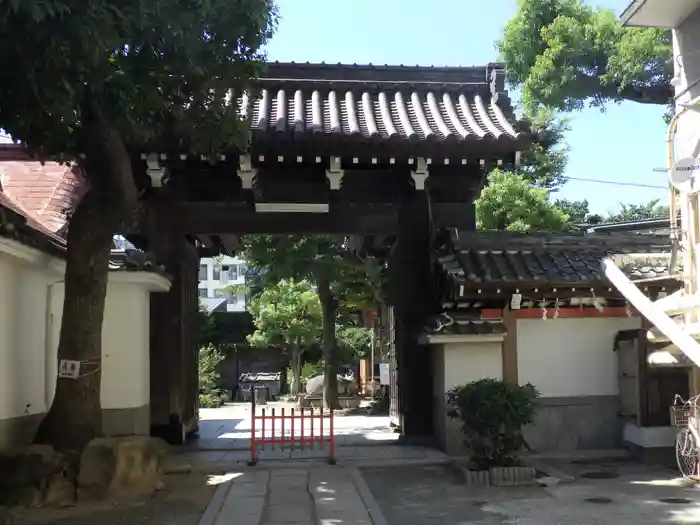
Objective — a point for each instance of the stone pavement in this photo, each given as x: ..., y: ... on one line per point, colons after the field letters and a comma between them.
x: 228, y: 428
x: 436, y: 495
x: 358, y: 456
x: 322, y: 495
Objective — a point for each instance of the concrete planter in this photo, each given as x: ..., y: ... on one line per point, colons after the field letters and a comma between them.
x: 499, y: 476
x: 477, y: 478
x: 512, y: 476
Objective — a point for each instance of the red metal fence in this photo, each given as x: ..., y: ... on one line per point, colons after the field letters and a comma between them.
x: 280, y: 431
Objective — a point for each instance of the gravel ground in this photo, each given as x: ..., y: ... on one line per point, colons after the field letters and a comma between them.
x: 182, y: 502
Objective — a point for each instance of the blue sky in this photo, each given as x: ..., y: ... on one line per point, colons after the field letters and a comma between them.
x: 623, y: 144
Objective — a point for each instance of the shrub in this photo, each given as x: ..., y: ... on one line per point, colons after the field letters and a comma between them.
x: 492, y: 413
x: 209, y: 394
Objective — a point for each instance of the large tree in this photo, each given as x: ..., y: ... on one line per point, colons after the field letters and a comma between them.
x: 287, y: 314
x: 567, y: 54
x: 339, y: 277
x: 91, y: 81
x: 511, y: 202
x: 544, y: 163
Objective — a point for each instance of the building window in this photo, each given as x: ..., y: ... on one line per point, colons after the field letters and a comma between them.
x: 233, y: 272
x: 219, y: 294
x: 202, y: 292
x: 202, y: 272
x: 217, y: 272
x: 233, y: 299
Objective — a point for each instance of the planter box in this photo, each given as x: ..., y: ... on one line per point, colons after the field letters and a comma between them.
x: 512, y: 476
x: 476, y: 478
x: 499, y: 476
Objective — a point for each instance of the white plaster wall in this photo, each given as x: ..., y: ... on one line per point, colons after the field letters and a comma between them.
x: 570, y: 357
x: 31, y: 302
x: 125, y: 345
x: 465, y: 362
x: 686, y: 47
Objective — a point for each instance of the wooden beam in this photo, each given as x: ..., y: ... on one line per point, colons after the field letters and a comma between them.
x: 218, y: 218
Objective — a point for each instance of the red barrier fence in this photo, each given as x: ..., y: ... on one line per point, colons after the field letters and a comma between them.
x: 278, y: 439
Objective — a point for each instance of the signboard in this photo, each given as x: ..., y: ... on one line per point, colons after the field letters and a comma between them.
x: 69, y: 369
x: 384, y: 374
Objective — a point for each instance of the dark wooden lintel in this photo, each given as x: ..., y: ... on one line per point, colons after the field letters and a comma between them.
x: 217, y: 218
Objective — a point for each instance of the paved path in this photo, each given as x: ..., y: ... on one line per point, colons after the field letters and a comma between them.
x: 228, y: 428
x: 223, y: 461
x: 435, y: 495
x: 323, y: 496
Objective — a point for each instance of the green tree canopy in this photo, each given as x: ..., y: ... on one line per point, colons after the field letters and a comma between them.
x: 544, y: 163
x: 339, y: 276
x: 638, y: 212
x: 566, y: 54
x: 511, y: 202
x: 92, y: 82
x: 354, y: 341
x: 287, y: 314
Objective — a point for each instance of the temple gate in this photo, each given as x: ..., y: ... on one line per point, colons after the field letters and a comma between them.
x: 387, y: 153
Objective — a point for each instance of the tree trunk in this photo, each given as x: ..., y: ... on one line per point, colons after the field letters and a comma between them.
x: 75, y: 416
x: 296, y: 370
x: 329, y: 307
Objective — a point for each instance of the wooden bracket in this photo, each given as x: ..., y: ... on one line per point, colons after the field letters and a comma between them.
x: 246, y: 173
x: 335, y: 173
x: 420, y: 173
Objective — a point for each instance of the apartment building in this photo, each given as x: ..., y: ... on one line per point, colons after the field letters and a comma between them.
x: 216, y: 276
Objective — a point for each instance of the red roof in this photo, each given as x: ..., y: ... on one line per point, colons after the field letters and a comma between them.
x: 46, y: 193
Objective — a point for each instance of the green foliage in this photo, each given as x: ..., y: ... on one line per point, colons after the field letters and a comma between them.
x: 164, y: 70
x: 209, y: 359
x: 545, y: 162
x: 577, y: 211
x: 287, y: 313
x: 510, y: 202
x: 492, y: 414
x: 308, y: 257
x: 309, y: 370
x: 638, y: 212
x: 565, y: 54
x: 354, y: 342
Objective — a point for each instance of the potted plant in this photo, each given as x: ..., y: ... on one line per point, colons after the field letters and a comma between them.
x: 492, y: 413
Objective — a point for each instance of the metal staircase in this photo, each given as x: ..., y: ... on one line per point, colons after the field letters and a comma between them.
x: 676, y: 317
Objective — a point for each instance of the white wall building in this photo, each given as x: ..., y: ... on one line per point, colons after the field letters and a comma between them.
x: 216, y: 274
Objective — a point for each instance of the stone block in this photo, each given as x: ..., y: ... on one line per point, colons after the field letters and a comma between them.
x: 36, y: 476
x: 121, y: 467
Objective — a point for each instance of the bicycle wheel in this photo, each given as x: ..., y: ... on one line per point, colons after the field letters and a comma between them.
x: 686, y: 452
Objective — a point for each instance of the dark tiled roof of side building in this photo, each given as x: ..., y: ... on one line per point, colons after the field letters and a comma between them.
x: 499, y: 258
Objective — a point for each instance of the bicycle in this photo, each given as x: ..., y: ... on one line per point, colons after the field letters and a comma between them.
x: 685, y: 418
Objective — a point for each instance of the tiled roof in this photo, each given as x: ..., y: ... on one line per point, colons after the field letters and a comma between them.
x: 17, y: 224
x: 500, y: 258
x: 384, y: 102
x: 133, y: 260
x: 462, y: 323
x: 47, y: 192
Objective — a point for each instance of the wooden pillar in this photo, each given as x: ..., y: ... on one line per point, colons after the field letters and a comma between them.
x: 411, y: 298
x: 509, y: 350
x: 173, y: 352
